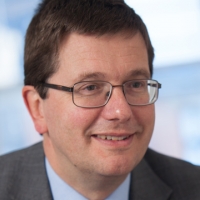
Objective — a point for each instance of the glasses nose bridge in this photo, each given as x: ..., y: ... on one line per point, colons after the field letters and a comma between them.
x: 113, y: 86
x: 122, y: 86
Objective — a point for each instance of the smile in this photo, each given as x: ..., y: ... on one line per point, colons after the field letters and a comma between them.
x: 114, y: 138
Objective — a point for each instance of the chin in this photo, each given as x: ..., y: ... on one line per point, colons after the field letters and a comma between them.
x: 119, y: 167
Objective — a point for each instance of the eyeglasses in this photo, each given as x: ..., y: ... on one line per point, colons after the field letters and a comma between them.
x: 94, y: 94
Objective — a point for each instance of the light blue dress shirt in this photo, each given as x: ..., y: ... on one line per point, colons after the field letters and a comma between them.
x: 62, y: 191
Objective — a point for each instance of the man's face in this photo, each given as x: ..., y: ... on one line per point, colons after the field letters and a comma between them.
x: 76, y: 136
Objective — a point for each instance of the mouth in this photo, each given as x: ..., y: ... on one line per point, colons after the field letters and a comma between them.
x: 113, y: 138
x: 116, y: 141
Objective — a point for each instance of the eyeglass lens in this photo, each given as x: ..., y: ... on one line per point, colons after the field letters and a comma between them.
x: 97, y: 93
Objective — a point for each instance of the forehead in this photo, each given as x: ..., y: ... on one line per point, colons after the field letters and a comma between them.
x: 105, y: 57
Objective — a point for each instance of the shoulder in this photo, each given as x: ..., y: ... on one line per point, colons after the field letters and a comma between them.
x: 159, y: 162
x: 21, y: 171
x: 16, y: 157
x: 181, y: 176
x: 12, y: 163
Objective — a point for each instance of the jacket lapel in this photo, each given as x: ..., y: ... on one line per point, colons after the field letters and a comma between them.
x: 145, y: 184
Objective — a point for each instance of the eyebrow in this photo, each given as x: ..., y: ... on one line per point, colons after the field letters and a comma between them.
x: 100, y: 75
x: 88, y: 75
x: 140, y: 72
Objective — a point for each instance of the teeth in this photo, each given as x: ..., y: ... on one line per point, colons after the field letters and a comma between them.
x: 122, y: 138
x: 103, y: 137
x: 109, y: 138
x: 114, y: 138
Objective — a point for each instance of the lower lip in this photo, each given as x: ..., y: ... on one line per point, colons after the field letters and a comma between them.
x: 116, y: 144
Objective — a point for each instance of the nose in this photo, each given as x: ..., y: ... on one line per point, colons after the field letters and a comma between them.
x: 117, y: 107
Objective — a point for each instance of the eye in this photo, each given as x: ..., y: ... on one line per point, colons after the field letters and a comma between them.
x: 138, y: 84
x: 90, y: 87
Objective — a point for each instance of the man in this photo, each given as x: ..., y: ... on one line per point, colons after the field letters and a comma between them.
x: 90, y: 93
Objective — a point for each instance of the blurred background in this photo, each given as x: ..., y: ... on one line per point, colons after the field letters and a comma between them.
x: 174, y: 27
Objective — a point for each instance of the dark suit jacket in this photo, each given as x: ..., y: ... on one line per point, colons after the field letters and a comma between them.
x: 157, y: 177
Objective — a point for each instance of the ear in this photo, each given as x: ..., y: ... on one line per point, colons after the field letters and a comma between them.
x: 34, y: 104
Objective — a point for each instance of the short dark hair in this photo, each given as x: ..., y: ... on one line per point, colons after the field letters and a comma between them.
x: 54, y: 19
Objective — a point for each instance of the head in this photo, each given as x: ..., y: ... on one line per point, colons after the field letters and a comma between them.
x: 54, y: 20
x: 69, y: 41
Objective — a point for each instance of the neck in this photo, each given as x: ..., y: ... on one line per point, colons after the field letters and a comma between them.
x: 96, y: 187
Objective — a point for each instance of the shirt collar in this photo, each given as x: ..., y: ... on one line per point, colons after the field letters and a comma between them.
x: 61, y: 190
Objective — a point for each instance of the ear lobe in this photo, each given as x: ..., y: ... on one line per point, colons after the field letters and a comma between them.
x: 34, y: 104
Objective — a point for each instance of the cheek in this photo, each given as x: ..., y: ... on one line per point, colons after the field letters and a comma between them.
x: 146, y: 115
x: 80, y: 119
x: 65, y: 117
x: 68, y: 127
x: 146, y: 118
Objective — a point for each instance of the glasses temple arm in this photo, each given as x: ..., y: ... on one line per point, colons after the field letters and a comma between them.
x: 155, y: 85
x: 58, y: 87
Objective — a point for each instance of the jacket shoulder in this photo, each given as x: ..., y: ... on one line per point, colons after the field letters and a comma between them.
x: 15, y: 157
x: 23, y: 174
x: 183, y: 177
x: 160, y: 161
x: 10, y: 161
